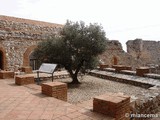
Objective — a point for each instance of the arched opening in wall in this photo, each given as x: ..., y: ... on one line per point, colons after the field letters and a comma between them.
x: 33, y: 61
x: 27, y: 54
x: 1, y: 60
x: 115, y: 61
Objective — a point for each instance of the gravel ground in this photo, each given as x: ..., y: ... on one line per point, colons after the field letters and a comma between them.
x: 91, y: 86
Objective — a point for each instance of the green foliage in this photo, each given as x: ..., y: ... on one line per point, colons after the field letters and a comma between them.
x: 76, y: 48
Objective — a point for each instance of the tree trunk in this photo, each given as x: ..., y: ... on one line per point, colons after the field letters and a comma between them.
x: 75, y: 79
x: 74, y: 75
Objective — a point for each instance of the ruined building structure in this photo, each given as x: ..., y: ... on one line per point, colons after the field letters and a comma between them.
x: 115, y: 55
x: 18, y: 39
x: 145, y: 50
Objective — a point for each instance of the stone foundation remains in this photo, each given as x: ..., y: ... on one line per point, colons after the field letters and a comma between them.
x: 142, y: 103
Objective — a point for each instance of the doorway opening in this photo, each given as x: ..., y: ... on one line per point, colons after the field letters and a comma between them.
x: 115, y: 61
x: 33, y: 61
x: 1, y: 60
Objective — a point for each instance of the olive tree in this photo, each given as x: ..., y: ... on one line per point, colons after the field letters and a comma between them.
x: 76, y: 48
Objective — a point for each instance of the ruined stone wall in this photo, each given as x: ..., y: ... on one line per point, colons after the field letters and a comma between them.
x: 19, y: 37
x: 114, y: 54
x: 147, y: 51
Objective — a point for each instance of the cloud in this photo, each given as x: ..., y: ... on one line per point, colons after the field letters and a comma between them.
x: 126, y: 16
x: 7, y: 7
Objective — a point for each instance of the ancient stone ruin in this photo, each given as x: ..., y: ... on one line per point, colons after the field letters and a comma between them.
x: 18, y: 39
x: 146, y: 51
x: 115, y: 55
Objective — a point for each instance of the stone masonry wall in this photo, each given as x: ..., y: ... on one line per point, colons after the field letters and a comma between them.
x: 114, y: 54
x: 17, y: 35
x: 146, y: 51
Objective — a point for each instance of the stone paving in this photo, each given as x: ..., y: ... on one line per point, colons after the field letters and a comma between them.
x: 27, y: 103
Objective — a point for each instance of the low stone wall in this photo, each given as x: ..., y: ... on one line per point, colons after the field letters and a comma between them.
x: 146, y: 103
x: 152, y: 75
x: 131, y: 72
x: 136, y: 83
x: 109, y: 69
x: 128, y: 72
x: 54, y: 77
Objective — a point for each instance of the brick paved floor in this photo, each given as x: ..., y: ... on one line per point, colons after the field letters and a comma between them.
x: 27, y: 103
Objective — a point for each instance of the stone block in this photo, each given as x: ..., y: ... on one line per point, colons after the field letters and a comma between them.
x: 114, y: 105
x: 24, y: 79
x: 6, y: 74
x: 55, y: 89
x: 118, y: 68
x: 103, y: 66
x: 26, y: 69
x: 141, y: 71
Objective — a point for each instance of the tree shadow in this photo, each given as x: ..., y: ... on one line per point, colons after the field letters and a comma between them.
x: 40, y: 95
x: 13, y: 84
x: 72, y: 86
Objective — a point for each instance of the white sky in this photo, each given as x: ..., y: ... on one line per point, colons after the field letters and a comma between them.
x: 121, y: 19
